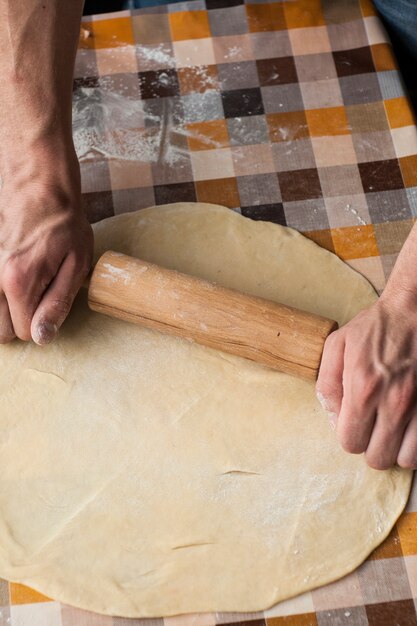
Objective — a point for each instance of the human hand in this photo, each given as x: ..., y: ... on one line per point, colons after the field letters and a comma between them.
x: 367, y: 382
x: 46, y: 246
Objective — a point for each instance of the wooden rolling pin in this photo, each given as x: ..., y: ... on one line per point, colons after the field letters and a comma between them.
x: 275, y: 335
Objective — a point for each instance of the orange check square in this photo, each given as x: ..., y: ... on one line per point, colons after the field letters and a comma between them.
x: 367, y: 7
x: 197, y: 79
x: 108, y: 33
x: 383, y: 57
x: 399, y: 112
x: 208, y: 135
x: 20, y: 594
x: 390, y: 548
x: 325, y: 122
x: 304, y: 619
x: 408, y: 167
x: 265, y: 17
x: 189, y: 25
x: 407, y: 531
x: 355, y: 242
x: 287, y: 126
x: 303, y: 13
x: 222, y: 191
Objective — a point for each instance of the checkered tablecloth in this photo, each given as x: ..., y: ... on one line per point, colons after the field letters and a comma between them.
x: 292, y: 112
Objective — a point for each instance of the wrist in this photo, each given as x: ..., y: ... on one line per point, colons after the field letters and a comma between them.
x: 48, y: 172
x: 38, y: 122
x: 401, y: 288
x: 35, y: 140
x: 400, y: 294
x: 41, y: 162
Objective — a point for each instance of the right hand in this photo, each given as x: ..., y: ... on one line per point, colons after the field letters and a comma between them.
x: 367, y: 381
x: 46, y: 246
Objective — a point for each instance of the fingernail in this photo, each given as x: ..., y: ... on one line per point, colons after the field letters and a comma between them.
x: 332, y: 420
x: 44, y: 333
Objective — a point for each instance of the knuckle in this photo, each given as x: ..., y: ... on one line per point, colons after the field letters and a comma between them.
x: 61, y: 305
x: 13, y: 279
x: 353, y: 447
x: 378, y: 463
x: 351, y: 444
x: 407, y: 461
x: 24, y: 334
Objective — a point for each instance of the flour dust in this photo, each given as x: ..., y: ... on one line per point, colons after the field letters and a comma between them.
x: 111, y: 121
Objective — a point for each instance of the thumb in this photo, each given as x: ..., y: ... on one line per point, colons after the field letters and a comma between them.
x: 329, y: 387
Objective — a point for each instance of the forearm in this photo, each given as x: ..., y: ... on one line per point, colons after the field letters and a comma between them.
x: 38, y: 39
x: 46, y: 242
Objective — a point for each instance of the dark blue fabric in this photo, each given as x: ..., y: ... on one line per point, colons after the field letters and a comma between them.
x: 400, y: 19
x: 401, y: 16
x: 105, y: 6
x: 140, y: 4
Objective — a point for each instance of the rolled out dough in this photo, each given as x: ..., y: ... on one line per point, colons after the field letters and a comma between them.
x: 144, y: 475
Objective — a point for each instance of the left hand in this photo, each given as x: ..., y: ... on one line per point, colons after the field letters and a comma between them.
x: 46, y: 243
x: 368, y: 382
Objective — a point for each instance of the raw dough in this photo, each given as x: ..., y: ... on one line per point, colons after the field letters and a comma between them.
x: 144, y: 475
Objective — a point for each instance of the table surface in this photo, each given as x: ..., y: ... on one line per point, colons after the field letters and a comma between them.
x: 292, y: 112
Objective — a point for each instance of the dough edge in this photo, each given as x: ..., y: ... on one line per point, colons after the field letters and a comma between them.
x: 56, y: 594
